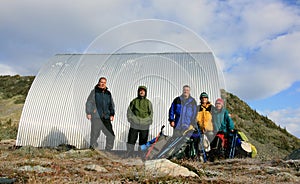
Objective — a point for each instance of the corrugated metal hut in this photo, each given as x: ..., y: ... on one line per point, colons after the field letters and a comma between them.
x: 54, y: 111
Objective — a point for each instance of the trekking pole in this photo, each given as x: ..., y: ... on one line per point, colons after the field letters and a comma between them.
x: 202, y: 146
x: 233, y: 145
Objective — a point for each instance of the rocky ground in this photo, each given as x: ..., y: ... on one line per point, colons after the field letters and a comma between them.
x: 61, y: 165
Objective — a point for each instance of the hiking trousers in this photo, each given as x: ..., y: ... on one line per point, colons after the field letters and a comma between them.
x: 133, y: 136
x: 105, y: 126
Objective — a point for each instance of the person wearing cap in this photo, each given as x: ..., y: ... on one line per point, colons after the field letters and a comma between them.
x: 221, y: 118
x: 182, y: 112
x: 140, y: 117
x: 204, y: 116
x: 100, y: 110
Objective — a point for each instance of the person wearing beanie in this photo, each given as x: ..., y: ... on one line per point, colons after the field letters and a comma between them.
x: 204, y: 116
x: 221, y: 118
x: 140, y: 117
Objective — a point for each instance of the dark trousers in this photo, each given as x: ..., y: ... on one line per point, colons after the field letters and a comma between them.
x: 133, y: 136
x: 105, y: 126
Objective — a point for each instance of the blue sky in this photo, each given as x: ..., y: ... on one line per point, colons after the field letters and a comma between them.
x: 256, y: 43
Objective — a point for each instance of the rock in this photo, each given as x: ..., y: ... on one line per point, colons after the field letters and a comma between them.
x: 96, y: 168
x: 260, y: 177
x: 272, y: 170
x: 163, y: 167
x: 254, y: 168
x: 131, y: 161
x: 36, y: 168
x: 74, y: 153
x: 210, y: 173
x: 287, y: 177
x: 295, y: 155
x: 7, y: 180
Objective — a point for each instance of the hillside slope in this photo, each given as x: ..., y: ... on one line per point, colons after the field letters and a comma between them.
x: 270, y: 140
x: 13, y: 91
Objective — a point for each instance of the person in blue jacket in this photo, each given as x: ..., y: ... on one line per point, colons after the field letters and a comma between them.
x: 182, y: 112
x: 222, y: 121
x: 100, y: 110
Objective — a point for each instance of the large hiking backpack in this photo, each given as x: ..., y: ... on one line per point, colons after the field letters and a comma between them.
x: 154, y: 146
x: 218, y: 147
x: 233, y: 145
x: 225, y: 146
x: 174, y: 147
x: 197, y: 146
x: 157, y: 147
x: 246, y: 148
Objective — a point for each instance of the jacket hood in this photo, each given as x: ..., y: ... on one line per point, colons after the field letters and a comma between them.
x: 144, y: 88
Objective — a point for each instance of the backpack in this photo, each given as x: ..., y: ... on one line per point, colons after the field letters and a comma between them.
x: 157, y: 147
x: 243, y: 136
x: 247, y: 145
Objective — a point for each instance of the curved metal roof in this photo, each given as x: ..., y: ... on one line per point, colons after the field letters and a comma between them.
x: 54, y: 111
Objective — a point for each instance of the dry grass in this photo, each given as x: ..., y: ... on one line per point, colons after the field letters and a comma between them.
x: 70, y: 167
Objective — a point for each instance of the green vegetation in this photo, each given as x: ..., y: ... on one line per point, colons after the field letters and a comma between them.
x: 13, y: 91
x: 15, y: 86
x: 8, y: 130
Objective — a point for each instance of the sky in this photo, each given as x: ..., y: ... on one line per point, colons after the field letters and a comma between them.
x: 256, y: 43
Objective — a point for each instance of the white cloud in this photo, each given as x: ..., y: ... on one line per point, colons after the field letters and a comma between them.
x: 6, y: 70
x: 287, y: 118
x: 259, y: 49
x: 30, y: 30
x: 256, y: 42
x: 273, y: 68
x: 149, y: 36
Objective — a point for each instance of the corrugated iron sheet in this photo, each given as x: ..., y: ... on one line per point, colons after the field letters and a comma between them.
x: 54, y: 111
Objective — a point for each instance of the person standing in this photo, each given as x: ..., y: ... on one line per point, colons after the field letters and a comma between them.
x: 204, y: 116
x: 221, y: 118
x: 100, y: 111
x: 224, y: 129
x: 140, y: 117
x: 182, y: 112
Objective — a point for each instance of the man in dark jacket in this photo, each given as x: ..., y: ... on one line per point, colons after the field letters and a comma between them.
x: 182, y: 112
x: 100, y: 110
x: 140, y: 117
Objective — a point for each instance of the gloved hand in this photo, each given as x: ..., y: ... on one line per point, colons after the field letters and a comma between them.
x: 191, y: 127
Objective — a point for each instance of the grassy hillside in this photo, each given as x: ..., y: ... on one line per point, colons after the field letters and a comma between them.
x: 270, y: 140
x: 15, y: 86
x: 13, y: 91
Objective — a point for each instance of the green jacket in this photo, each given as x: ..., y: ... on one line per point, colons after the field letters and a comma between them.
x: 140, y: 111
x: 222, y: 121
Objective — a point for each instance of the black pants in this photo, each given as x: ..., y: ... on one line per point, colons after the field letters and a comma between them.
x: 133, y: 135
x: 105, y: 126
